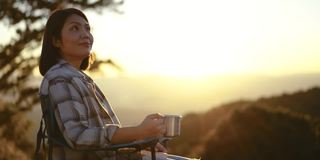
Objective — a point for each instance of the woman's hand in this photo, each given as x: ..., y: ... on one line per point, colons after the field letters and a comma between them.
x: 152, y: 126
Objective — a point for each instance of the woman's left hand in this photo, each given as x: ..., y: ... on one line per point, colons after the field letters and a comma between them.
x: 160, y: 148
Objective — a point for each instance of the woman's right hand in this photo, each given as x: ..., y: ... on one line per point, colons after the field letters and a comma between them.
x: 152, y: 126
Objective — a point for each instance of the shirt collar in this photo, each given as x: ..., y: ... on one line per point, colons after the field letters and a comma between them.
x: 68, y: 65
x: 62, y: 61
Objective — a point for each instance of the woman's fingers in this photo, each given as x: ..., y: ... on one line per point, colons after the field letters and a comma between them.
x: 153, y: 125
x: 161, y: 129
x: 159, y: 121
x: 160, y: 126
x: 155, y: 116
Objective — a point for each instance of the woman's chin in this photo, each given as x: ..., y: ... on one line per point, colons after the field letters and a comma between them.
x: 85, y: 54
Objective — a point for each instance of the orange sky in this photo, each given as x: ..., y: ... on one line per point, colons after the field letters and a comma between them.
x: 185, y: 38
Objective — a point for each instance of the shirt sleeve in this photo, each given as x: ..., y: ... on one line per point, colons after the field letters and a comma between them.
x: 73, y: 119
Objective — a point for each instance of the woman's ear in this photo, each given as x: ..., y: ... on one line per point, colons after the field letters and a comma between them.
x: 56, y: 42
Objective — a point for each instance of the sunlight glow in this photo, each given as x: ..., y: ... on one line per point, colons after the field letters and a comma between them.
x: 187, y: 39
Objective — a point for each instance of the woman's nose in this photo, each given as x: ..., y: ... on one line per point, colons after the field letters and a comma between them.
x: 86, y: 34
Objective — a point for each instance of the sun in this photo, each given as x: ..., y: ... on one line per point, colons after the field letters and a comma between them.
x: 198, y: 67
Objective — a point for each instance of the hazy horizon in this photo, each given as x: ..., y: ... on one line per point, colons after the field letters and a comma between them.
x: 133, y: 98
x: 169, y: 95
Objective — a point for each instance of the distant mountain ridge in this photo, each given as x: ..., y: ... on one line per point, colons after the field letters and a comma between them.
x: 306, y: 102
x: 279, y: 127
x: 139, y: 95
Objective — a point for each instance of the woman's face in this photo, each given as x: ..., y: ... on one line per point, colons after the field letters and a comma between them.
x: 76, y: 39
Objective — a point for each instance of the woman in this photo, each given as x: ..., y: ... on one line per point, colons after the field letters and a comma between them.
x: 84, y: 117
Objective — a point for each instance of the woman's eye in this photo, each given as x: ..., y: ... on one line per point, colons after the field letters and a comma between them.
x: 74, y: 28
x: 88, y: 28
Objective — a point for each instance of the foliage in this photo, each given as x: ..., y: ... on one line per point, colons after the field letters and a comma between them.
x: 260, y: 133
x: 18, y: 92
x: 279, y: 127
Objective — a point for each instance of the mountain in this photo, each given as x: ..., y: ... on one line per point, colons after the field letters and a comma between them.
x: 286, y: 126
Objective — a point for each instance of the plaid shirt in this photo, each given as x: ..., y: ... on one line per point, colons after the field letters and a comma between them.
x: 84, y: 117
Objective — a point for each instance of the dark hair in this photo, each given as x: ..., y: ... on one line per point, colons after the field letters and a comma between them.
x: 50, y: 54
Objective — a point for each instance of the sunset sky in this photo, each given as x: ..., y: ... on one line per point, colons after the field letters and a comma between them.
x: 182, y: 56
x: 184, y: 38
x: 202, y: 38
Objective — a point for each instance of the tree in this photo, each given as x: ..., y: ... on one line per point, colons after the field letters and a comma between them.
x: 263, y: 132
x: 18, y: 63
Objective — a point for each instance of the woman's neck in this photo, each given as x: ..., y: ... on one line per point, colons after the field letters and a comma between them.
x: 73, y: 62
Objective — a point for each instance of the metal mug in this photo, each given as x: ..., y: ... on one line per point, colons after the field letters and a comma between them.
x: 173, y: 125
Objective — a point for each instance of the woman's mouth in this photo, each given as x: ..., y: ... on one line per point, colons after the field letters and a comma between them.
x: 86, y: 44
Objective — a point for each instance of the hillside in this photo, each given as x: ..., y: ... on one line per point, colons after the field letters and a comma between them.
x: 279, y: 127
x: 135, y: 96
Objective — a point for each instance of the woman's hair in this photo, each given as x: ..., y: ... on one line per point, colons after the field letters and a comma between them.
x: 50, y: 54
